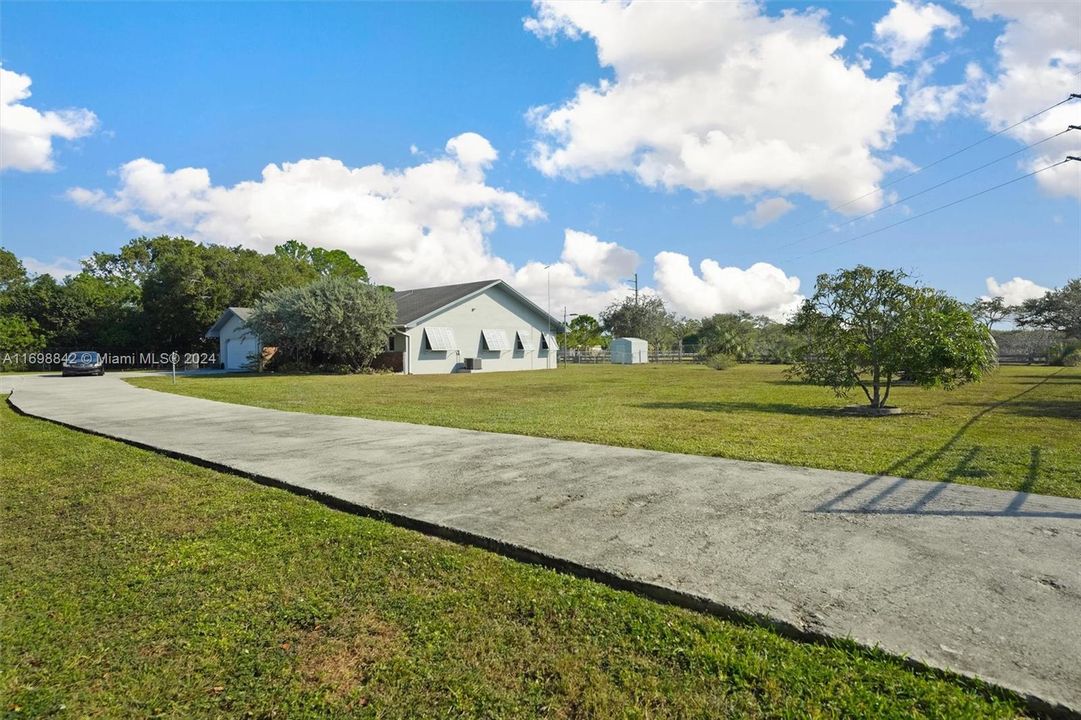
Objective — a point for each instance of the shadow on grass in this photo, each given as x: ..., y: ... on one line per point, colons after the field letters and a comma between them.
x: 901, y: 496
x: 1062, y: 409
x: 736, y: 406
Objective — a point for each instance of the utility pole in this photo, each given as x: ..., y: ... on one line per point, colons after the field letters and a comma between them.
x: 563, y: 345
x: 636, y: 289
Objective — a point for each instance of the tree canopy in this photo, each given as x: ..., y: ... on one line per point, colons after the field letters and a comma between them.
x: 866, y: 328
x: 334, y: 320
x: 990, y: 311
x: 155, y: 294
x: 645, y: 317
x: 584, y: 332
x: 1058, y: 310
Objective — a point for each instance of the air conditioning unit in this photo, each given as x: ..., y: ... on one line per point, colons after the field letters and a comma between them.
x: 472, y: 363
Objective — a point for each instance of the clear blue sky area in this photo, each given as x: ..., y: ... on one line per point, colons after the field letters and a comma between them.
x: 234, y: 87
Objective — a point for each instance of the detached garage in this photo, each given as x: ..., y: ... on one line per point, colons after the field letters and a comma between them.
x: 238, y: 346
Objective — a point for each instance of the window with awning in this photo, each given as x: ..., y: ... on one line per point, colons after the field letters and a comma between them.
x: 439, y: 339
x: 495, y: 340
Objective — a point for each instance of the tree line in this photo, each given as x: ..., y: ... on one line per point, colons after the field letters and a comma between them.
x: 157, y: 294
x: 1047, y: 327
x: 161, y: 294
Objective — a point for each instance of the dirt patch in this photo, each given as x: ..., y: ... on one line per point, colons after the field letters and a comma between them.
x: 340, y: 655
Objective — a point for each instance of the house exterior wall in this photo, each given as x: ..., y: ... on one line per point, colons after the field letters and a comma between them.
x: 235, y: 343
x: 493, y: 309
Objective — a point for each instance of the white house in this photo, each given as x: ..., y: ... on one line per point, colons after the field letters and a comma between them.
x: 472, y: 327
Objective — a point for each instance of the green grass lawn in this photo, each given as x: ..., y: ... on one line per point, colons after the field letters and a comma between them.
x: 1020, y: 429
x: 133, y: 585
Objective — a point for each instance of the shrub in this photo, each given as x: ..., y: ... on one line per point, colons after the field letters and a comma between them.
x: 720, y: 361
x: 1067, y: 353
x: 336, y: 323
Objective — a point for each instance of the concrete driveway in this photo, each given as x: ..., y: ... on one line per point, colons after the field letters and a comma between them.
x: 981, y: 582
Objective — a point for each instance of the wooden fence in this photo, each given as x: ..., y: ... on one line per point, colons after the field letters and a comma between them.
x: 689, y: 354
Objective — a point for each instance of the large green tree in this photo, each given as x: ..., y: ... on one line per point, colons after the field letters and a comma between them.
x: 728, y: 334
x: 336, y: 263
x: 990, y: 311
x: 1058, y: 310
x: 645, y: 317
x: 584, y: 332
x: 333, y: 320
x: 156, y: 294
x: 866, y: 328
x: 12, y: 272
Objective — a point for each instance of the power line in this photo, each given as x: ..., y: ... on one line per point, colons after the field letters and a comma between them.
x: 936, y: 209
x: 944, y: 158
x: 955, y: 153
x: 897, y: 202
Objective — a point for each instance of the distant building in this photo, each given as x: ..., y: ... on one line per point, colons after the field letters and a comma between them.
x: 480, y: 326
x: 238, y: 348
x: 629, y: 351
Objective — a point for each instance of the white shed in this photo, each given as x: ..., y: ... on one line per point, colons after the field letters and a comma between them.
x: 629, y: 351
x: 237, y: 345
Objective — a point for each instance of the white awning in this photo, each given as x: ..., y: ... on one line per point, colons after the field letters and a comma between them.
x: 495, y: 340
x: 550, y: 342
x: 440, y: 339
x: 525, y: 340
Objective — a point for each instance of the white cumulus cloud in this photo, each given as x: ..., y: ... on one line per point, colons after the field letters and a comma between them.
x: 907, y: 28
x: 26, y: 134
x: 1015, y: 291
x: 598, y: 260
x: 422, y: 225
x: 717, y: 97
x: 764, y: 212
x: 590, y: 275
x: 59, y: 267
x: 761, y: 289
x: 413, y: 227
x: 1039, y: 57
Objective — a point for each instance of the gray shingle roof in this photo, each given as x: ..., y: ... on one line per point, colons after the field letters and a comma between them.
x: 412, y: 304
x: 415, y: 304
x: 241, y: 312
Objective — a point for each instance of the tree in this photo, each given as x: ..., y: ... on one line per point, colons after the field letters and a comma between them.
x: 584, y: 332
x: 12, y: 272
x: 336, y: 263
x: 991, y: 310
x: 727, y: 334
x: 646, y: 318
x: 332, y: 320
x: 18, y: 337
x: 865, y: 328
x: 1058, y: 310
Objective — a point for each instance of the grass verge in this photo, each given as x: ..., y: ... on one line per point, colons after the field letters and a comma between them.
x: 134, y: 585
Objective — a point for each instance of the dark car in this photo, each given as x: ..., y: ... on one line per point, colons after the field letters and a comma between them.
x: 83, y: 362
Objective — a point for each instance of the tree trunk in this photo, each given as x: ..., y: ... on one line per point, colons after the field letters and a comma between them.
x: 876, y: 383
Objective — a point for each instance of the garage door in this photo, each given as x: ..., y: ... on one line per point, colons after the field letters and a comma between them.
x: 237, y: 351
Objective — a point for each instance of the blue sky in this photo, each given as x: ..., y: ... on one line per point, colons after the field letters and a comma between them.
x: 231, y: 88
